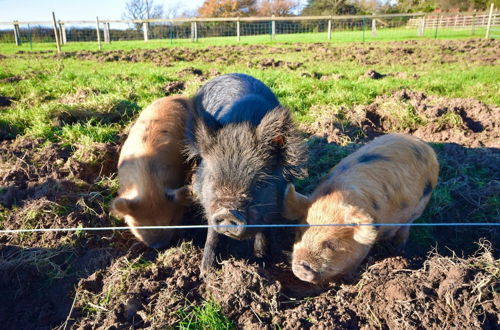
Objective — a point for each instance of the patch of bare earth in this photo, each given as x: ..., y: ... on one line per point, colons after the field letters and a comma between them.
x: 411, y: 52
x: 147, y: 291
x: 51, y: 186
x: 467, y: 122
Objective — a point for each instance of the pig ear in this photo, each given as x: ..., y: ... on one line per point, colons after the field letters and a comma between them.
x: 277, y: 131
x: 181, y: 196
x: 365, y: 234
x: 200, y: 131
x: 295, y: 205
x: 123, y: 206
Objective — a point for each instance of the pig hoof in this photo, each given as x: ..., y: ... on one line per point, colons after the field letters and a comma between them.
x: 260, y: 245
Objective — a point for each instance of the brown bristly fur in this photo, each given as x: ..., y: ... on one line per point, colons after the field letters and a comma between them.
x: 151, y: 162
x: 389, y: 180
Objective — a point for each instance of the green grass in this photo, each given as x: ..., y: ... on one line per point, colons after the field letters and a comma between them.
x: 207, y: 316
x: 114, y: 92
x: 383, y: 34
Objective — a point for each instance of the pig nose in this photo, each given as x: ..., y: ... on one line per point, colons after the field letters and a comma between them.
x: 230, y: 218
x: 305, y: 272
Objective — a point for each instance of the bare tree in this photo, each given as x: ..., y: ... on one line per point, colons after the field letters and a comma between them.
x: 142, y: 9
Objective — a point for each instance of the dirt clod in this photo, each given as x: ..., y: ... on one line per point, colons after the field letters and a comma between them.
x: 173, y: 87
x: 372, y: 74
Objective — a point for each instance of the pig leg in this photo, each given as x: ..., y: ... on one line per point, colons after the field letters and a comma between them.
x: 260, y: 245
x: 401, y: 237
x: 209, y: 251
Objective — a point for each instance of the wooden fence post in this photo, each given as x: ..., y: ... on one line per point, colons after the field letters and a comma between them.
x: 195, y: 26
x: 61, y: 32
x: 374, y: 27
x: 330, y: 29
x: 58, y: 44
x: 192, y: 31
x: 98, y: 33
x: 145, y: 30
x: 64, y: 38
x: 273, y: 29
x: 17, y: 34
x: 109, y: 32
x: 238, y: 29
x: 106, y: 34
x: 473, y: 32
x: 488, y: 27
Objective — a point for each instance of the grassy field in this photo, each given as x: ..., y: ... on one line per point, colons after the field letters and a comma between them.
x: 77, y: 108
x: 384, y: 34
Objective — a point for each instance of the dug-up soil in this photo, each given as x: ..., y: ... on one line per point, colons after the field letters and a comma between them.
x: 107, y: 280
x: 411, y: 52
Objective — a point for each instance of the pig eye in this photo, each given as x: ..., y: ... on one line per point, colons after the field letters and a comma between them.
x: 329, y: 245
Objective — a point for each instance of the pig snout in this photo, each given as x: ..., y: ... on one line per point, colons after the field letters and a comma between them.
x: 305, y: 272
x: 155, y: 239
x: 228, y: 220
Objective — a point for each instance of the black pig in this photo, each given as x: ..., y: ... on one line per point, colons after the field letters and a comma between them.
x: 248, y: 148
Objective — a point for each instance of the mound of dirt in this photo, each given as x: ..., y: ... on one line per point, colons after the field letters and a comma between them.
x: 174, y: 87
x: 272, y: 63
x: 89, y: 163
x: 245, y: 292
x: 410, y: 52
x: 9, y: 80
x: 147, y: 291
x: 435, y: 119
x: 144, y: 290
x: 49, y: 186
x: 372, y: 74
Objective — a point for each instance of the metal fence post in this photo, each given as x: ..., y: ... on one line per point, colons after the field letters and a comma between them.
x: 488, y: 27
x: 374, y: 26
x: 273, y: 29
x: 17, y: 35
x: 330, y: 29
x: 55, y: 33
x: 238, y: 29
x: 98, y: 33
x: 145, y: 31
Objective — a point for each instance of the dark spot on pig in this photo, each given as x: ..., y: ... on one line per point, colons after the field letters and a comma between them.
x: 370, y: 158
x: 375, y: 205
x: 417, y: 151
x: 386, y: 191
x: 403, y: 205
x: 427, y: 189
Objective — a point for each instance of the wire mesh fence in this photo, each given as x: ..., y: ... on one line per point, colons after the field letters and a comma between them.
x: 250, y: 29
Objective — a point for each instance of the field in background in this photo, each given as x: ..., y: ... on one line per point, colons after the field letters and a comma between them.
x: 337, y: 37
x: 63, y: 118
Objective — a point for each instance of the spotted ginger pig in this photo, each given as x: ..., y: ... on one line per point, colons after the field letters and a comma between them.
x: 153, y: 171
x: 389, y: 180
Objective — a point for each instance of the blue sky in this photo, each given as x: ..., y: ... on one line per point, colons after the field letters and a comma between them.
x: 29, y: 10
